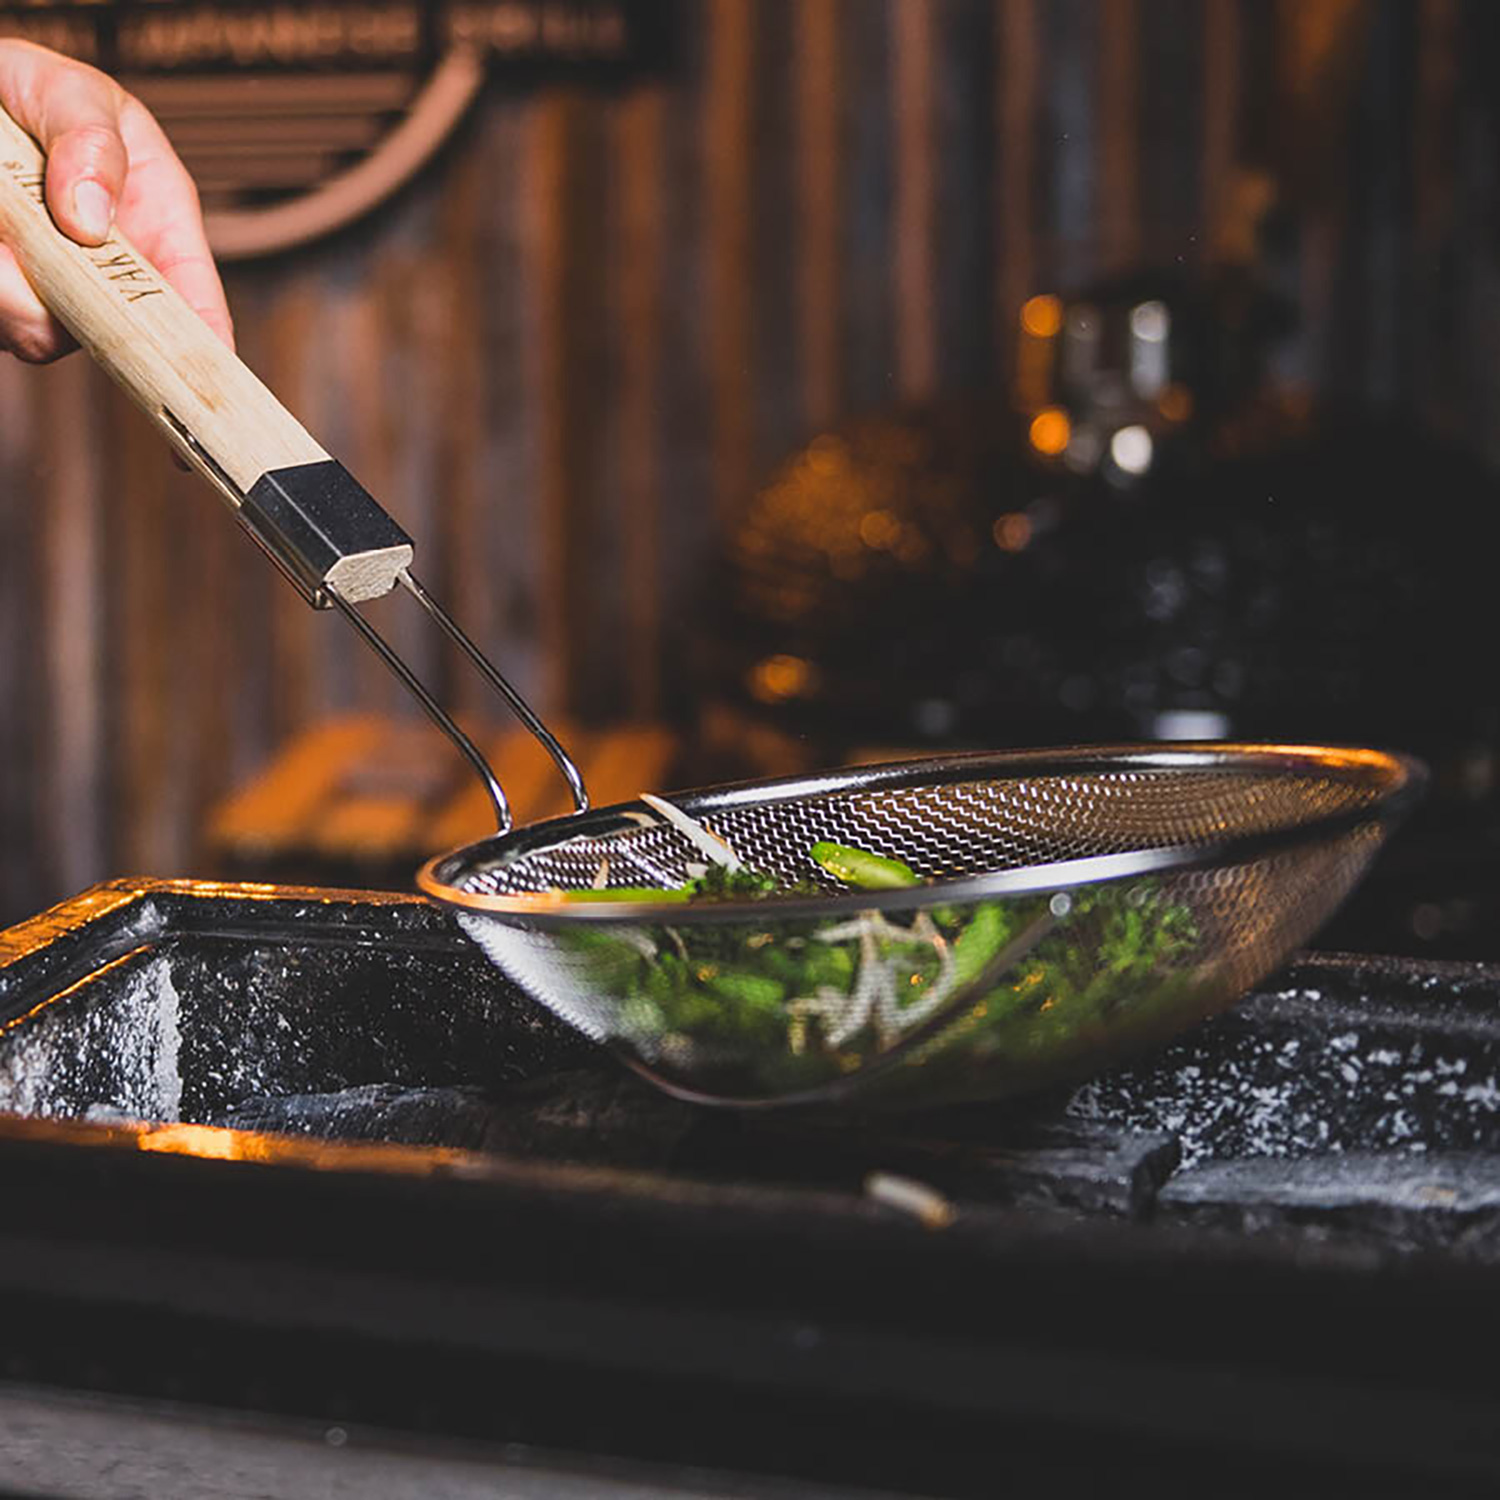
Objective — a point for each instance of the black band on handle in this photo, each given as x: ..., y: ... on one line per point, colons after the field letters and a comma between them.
x: 328, y: 529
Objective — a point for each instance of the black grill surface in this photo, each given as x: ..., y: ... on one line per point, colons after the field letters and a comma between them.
x: 305, y: 1153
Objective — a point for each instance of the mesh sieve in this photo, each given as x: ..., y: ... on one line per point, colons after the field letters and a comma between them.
x: 1123, y: 893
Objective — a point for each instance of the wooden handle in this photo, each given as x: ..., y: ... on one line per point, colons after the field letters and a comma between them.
x: 111, y: 299
x: 316, y: 522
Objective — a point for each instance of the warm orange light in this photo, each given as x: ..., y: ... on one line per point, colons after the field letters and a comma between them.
x: 879, y: 529
x: 778, y: 678
x: 1042, y: 316
x: 1012, y: 531
x: 826, y: 456
x: 201, y: 1140
x: 210, y: 1142
x: 911, y: 546
x: 1050, y: 431
x: 1175, y: 403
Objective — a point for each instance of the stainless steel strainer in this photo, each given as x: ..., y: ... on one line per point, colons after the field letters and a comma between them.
x: 1076, y: 905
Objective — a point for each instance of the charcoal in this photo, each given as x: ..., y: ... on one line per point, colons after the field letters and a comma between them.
x: 1310, y: 1069
x: 594, y: 1116
x: 1347, y: 1096
x: 601, y: 1117
x: 1096, y: 1167
x: 372, y: 1112
x: 598, y: 1116
x: 1036, y: 1164
x: 1413, y: 1202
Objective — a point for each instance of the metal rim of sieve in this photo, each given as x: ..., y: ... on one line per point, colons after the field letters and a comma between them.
x: 1397, y: 780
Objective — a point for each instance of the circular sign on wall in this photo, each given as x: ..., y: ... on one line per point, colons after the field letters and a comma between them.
x: 297, y: 118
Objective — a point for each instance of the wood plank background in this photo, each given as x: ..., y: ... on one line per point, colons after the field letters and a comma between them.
x: 564, y: 358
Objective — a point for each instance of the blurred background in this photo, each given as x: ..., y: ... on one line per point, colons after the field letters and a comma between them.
x: 865, y: 377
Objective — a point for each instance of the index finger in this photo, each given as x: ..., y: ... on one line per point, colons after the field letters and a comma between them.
x: 72, y: 111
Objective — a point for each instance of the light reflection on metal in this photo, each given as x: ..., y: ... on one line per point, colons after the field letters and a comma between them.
x: 113, y: 895
x: 1132, y: 450
x: 491, y: 674
x: 1150, y: 355
x: 26, y: 937
x: 213, y: 1143
x: 1190, y: 724
x: 1150, y: 322
x: 201, y: 1140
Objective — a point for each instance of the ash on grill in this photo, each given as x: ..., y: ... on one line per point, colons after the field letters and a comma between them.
x: 1353, y: 1097
x: 1278, y: 1117
x: 1272, y: 1246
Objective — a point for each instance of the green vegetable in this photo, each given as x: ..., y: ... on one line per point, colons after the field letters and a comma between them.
x: 869, y: 872
x: 783, y: 1002
x: 721, y: 883
x: 718, y: 883
x: 983, y: 936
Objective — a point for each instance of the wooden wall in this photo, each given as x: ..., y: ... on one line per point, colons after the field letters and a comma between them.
x: 564, y: 358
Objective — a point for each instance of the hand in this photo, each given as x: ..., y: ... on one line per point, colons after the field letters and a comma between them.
x: 108, y: 161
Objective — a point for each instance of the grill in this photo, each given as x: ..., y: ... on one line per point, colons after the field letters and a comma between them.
x: 304, y: 1155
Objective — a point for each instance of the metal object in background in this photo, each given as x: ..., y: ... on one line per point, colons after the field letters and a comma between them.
x: 1077, y: 906
x: 1273, y: 1249
x: 1290, y: 568
x: 1139, y: 542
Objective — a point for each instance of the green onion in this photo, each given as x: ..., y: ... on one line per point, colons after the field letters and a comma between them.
x: 856, y: 867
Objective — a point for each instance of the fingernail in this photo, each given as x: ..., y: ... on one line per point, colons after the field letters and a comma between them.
x: 94, y: 207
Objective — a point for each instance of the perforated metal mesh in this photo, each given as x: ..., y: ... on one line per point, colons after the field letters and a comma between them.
x: 962, y: 828
x: 1071, y: 998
